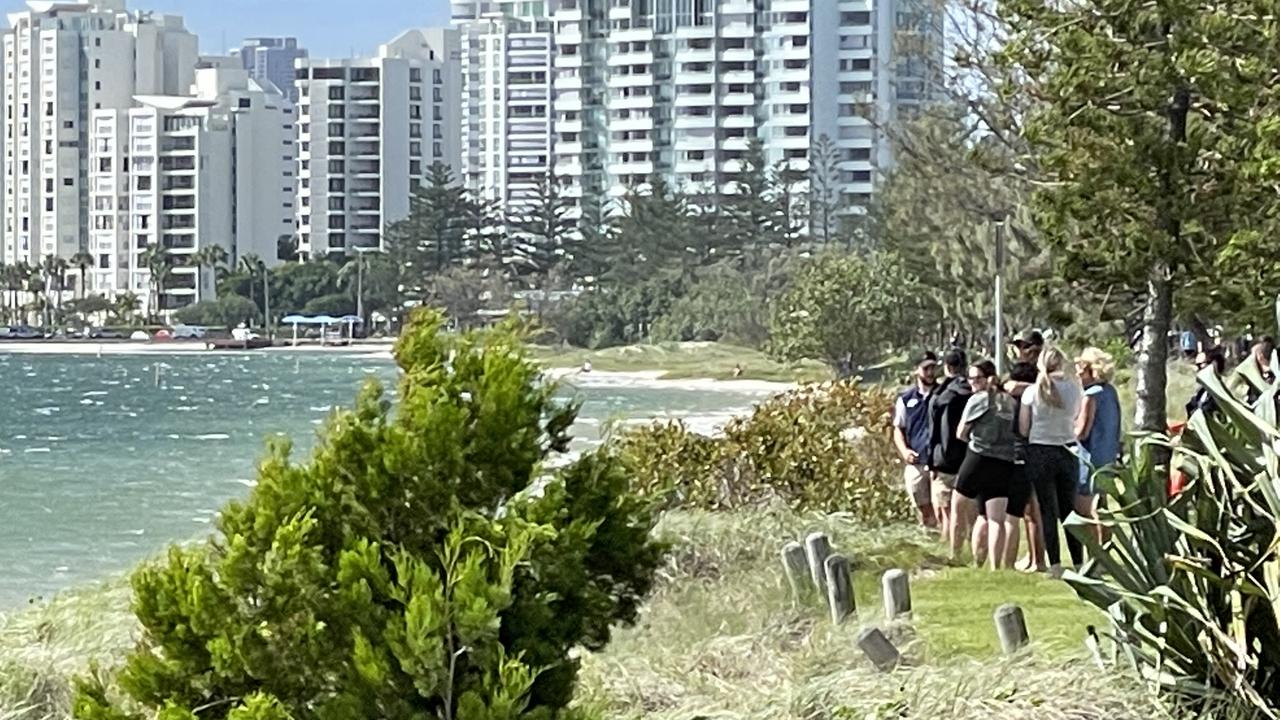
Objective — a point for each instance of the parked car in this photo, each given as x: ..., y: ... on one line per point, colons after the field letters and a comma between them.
x: 21, y: 332
x: 189, y: 332
x: 101, y: 333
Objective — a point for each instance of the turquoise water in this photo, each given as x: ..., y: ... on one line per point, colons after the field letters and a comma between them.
x: 102, y: 465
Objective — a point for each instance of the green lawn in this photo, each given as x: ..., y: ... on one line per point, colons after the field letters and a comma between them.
x: 684, y: 360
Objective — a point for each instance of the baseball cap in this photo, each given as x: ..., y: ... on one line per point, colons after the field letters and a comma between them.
x: 927, y: 357
x: 1029, y: 338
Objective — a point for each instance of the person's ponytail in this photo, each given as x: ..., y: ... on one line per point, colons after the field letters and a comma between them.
x: 1051, y: 362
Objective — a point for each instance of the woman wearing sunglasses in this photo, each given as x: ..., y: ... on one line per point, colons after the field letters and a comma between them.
x: 990, y: 470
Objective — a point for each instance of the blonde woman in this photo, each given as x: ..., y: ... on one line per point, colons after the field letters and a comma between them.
x: 1098, y: 427
x: 1047, y: 419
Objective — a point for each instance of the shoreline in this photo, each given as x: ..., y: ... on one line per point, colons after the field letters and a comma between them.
x: 573, y: 376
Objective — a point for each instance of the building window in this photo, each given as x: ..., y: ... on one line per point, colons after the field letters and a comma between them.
x: 337, y: 185
x: 337, y: 166
x: 337, y: 203
x: 337, y: 222
x: 336, y: 92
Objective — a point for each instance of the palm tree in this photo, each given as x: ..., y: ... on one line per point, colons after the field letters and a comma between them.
x: 82, y: 261
x: 125, y: 307
x: 213, y: 257
x: 159, y: 262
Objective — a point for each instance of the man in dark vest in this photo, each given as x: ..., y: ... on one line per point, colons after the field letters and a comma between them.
x: 946, y: 451
x: 911, y: 436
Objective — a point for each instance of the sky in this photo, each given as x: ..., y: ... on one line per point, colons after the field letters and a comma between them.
x: 327, y: 28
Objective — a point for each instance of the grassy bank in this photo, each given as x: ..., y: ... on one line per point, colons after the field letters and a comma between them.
x: 685, y: 360
x: 721, y: 638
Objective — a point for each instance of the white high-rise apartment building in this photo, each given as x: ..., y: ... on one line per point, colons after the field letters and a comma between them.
x: 368, y: 131
x: 506, y: 127
x: 680, y: 88
x: 62, y: 61
x: 212, y: 168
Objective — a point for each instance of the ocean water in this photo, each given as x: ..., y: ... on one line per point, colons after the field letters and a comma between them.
x: 106, y: 460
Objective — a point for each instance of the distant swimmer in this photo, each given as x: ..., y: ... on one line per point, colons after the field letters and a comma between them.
x: 737, y: 371
x: 586, y: 366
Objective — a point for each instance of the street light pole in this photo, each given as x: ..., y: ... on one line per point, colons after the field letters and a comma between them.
x: 998, y: 347
x: 360, y: 285
x: 266, y: 298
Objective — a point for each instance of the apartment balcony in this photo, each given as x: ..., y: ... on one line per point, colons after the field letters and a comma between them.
x: 363, y: 112
x: 366, y: 168
x: 363, y: 150
x: 568, y: 148
x: 738, y: 99
x: 695, y: 122
x: 789, y: 120
x: 631, y: 168
x: 738, y: 30
x: 630, y: 103
x: 570, y: 103
x: 790, y: 97
x: 696, y: 78
x: 687, y: 167
x: 638, y: 80
x: 639, y: 123
x: 735, y: 143
x: 568, y: 126
x: 571, y: 167
x: 691, y: 99
x: 363, y: 94
x: 630, y: 58
x: 684, y: 55
x: 789, y: 6
x: 737, y: 121
x: 697, y: 139
x: 738, y: 55
x: 631, y: 146
x: 567, y: 61
x: 741, y: 77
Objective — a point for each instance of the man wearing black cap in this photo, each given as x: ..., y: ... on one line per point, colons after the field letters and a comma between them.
x: 1027, y: 347
x: 911, y: 436
x: 1029, y: 344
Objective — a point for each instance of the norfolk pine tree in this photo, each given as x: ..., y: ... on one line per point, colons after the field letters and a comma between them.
x: 1154, y: 128
x: 413, y: 567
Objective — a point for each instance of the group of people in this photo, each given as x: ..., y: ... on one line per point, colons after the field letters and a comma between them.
x: 986, y: 455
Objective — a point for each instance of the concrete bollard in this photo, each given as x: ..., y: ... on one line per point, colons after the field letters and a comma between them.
x: 897, y: 594
x: 1011, y: 626
x: 797, y: 568
x: 817, y: 548
x: 839, y: 588
x: 878, y: 649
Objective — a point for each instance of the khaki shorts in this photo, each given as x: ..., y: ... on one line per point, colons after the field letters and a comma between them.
x: 942, y: 486
x: 918, y: 480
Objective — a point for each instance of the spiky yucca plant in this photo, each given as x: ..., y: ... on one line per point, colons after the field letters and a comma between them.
x: 1192, y: 582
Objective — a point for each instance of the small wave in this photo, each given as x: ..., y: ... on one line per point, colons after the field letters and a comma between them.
x: 262, y: 401
x: 212, y: 436
x: 86, y: 401
x: 247, y: 483
x: 47, y: 410
x: 38, y: 450
x: 174, y: 437
x: 97, y: 393
x: 321, y: 408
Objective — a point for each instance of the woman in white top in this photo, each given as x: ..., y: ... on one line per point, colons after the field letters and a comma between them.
x: 1047, y: 419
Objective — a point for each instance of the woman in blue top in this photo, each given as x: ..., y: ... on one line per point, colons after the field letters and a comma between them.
x: 1098, y: 426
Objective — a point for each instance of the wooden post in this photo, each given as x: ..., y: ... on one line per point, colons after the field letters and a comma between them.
x: 839, y: 588
x: 797, y: 568
x: 878, y: 649
x: 1011, y: 626
x: 817, y: 548
x: 897, y: 594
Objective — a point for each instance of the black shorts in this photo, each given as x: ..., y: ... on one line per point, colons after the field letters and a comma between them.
x: 982, y: 478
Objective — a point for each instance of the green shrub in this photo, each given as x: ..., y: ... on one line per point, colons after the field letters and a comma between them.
x: 416, y: 566
x: 820, y: 447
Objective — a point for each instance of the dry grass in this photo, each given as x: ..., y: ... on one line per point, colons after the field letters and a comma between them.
x: 721, y: 638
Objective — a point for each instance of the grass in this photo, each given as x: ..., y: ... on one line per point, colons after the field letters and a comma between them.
x: 722, y: 638
x: 685, y: 360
